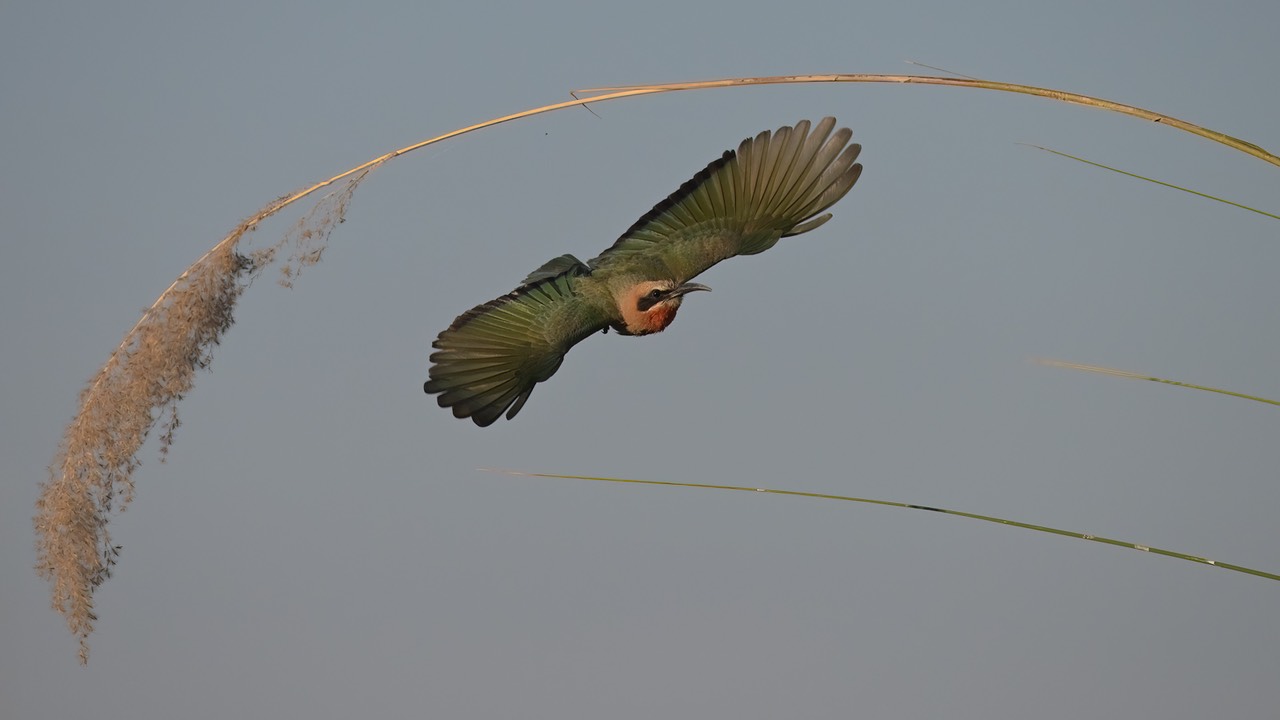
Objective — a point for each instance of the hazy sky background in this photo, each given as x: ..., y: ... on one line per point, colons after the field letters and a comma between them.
x: 320, y: 543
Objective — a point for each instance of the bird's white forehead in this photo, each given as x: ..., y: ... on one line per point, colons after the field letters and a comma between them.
x: 660, y: 284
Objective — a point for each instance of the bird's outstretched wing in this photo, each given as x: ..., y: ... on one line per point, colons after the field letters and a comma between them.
x: 490, y: 358
x: 775, y: 185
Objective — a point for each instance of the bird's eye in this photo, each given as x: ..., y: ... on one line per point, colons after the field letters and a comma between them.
x: 655, y: 293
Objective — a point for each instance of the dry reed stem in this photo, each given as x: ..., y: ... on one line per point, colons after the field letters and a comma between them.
x: 154, y: 365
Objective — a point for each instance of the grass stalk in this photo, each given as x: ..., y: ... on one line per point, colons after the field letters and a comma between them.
x: 1139, y: 376
x: 908, y: 506
x: 1197, y: 193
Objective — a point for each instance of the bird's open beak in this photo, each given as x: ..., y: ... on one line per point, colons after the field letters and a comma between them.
x: 687, y: 288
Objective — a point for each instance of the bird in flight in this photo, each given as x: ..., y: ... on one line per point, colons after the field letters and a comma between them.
x: 774, y: 186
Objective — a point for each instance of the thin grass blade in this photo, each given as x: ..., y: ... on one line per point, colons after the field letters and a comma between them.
x: 908, y: 506
x: 1139, y: 376
x: 1153, y: 180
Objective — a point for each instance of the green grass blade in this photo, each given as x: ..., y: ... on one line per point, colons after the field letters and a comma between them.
x: 908, y: 506
x: 1138, y: 376
x: 1152, y: 180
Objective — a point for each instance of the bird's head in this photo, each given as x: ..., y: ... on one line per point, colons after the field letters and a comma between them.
x: 649, y: 306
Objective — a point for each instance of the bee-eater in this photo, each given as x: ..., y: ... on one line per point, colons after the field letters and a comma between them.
x: 776, y: 184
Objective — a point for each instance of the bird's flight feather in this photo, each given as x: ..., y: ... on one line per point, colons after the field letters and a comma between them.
x: 742, y: 203
x: 490, y: 358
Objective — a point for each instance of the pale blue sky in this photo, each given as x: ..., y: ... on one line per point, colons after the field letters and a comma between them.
x: 320, y: 543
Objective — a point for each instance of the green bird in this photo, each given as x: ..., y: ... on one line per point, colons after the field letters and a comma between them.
x: 776, y: 184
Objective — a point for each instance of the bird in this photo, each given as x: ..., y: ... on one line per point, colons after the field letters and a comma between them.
x: 775, y: 185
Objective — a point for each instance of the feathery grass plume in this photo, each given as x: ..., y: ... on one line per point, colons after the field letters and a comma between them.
x: 140, y: 385
x: 154, y: 366
x: 310, y: 235
x: 142, y: 382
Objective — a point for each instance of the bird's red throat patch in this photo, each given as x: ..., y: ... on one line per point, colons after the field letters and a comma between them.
x: 660, y: 316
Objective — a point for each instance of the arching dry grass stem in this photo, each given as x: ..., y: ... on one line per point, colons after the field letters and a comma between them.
x: 154, y: 366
